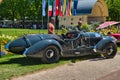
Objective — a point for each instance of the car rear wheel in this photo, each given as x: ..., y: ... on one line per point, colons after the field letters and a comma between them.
x: 50, y: 54
x: 109, y: 50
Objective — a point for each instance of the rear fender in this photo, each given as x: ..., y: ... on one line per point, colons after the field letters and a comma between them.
x: 36, y: 49
x: 102, y: 43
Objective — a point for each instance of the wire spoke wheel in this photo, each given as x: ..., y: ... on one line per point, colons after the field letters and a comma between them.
x: 50, y: 54
x: 109, y: 50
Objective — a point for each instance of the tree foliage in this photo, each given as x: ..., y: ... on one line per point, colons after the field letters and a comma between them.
x: 114, y: 9
x: 21, y: 9
x: 32, y: 9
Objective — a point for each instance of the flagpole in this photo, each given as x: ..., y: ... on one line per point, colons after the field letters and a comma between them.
x: 42, y: 16
x: 57, y: 3
x: 44, y: 2
x: 40, y: 27
x: 42, y: 22
x: 48, y: 14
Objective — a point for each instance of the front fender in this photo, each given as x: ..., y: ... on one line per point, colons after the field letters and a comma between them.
x: 36, y: 49
x: 99, y: 46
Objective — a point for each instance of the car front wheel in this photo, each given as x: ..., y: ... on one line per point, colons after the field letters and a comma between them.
x: 50, y: 54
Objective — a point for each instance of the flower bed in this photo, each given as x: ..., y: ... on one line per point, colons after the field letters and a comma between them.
x: 4, y: 39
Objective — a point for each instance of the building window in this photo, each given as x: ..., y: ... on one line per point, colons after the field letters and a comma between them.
x: 71, y: 23
x: 80, y: 19
x: 64, y: 19
x: 71, y: 19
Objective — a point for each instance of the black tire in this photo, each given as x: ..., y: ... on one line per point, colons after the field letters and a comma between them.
x: 110, y: 51
x: 50, y: 54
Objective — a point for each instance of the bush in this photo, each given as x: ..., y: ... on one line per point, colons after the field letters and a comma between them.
x: 112, y: 29
x: 5, y: 39
x: 86, y: 27
x: 93, y: 26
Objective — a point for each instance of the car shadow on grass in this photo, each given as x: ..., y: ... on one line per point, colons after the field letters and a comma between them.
x: 25, y: 61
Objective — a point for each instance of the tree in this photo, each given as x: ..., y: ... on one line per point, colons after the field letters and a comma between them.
x: 36, y: 9
x: 114, y: 10
x: 23, y: 9
x: 20, y: 9
x: 8, y: 8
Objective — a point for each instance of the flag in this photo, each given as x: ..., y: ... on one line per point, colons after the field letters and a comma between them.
x: 43, y: 7
x: 56, y: 8
x: 75, y: 3
x: 50, y: 8
x: 64, y: 7
x: 61, y: 7
x: 68, y: 7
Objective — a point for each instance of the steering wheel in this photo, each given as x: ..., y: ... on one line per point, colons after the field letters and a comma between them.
x: 72, y: 34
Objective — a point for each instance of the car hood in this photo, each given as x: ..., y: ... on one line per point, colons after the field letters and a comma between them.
x: 19, y: 45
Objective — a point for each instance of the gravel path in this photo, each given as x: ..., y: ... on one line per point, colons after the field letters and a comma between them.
x: 92, y: 69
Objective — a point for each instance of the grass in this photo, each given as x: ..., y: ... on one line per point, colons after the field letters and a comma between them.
x: 19, y: 32
x: 118, y: 47
x: 12, y: 65
x: 15, y: 65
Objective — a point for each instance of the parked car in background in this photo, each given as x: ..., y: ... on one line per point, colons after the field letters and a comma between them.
x: 116, y: 36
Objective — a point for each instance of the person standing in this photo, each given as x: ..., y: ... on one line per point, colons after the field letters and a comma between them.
x: 64, y: 31
x: 79, y: 26
x: 51, y: 28
x: 34, y: 26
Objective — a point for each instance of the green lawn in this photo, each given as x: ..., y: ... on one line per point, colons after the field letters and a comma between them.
x: 12, y: 65
x: 19, y: 32
x: 118, y: 47
x: 15, y: 65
